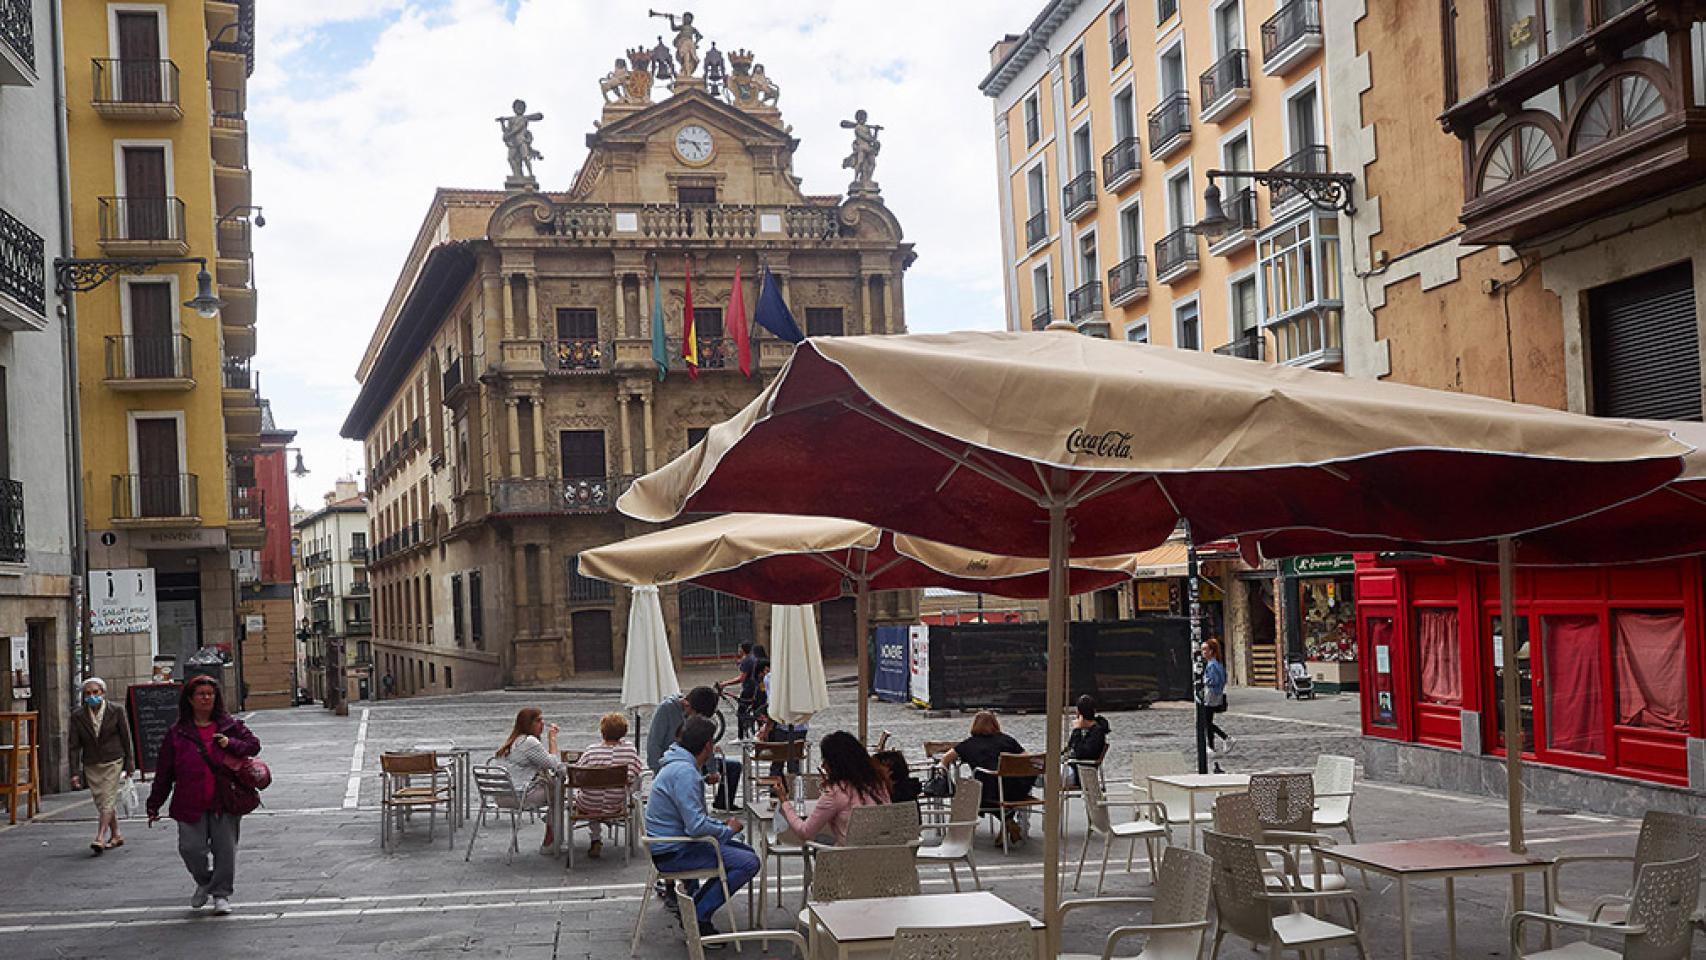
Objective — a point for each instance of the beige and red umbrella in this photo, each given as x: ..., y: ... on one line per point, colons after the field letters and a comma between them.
x: 1017, y: 443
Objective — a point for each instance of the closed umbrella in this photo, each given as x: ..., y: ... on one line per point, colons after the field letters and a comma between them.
x: 648, y: 671
x: 1017, y: 443
x: 798, y: 688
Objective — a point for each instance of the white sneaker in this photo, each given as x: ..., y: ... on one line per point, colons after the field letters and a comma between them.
x: 1225, y: 746
x: 199, y: 898
x: 221, y: 906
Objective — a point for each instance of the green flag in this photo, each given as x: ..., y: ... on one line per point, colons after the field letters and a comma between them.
x: 660, y: 346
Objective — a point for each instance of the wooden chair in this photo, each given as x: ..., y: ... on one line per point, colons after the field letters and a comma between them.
x: 883, y: 825
x: 1178, y: 912
x: 995, y: 941
x: 882, y: 743
x: 957, y: 833
x: 399, y: 796
x: 1151, y: 829
x: 1013, y: 765
x: 19, y: 765
x: 610, y: 777
x: 761, y: 755
x: 717, y: 874
x: 696, y: 944
x: 1664, y: 837
x: 1660, y: 924
x: 497, y: 795
x: 1246, y: 907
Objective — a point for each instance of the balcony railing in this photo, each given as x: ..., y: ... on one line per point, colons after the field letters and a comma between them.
x: 149, y: 358
x: 1291, y: 33
x: 1250, y: 346
x: 12, y: 521
x: 1311, y: 159
x: 1241, y: 214
x: 452, y: 376
x: 156, y: 496
x: 236, y: 238
x: 229, y: 105
x: 360, y: 588
x: 142, y: 218
x: 715, y: 353
x: 1042, y: 318
x: 358, y: 628
x: 1085, y: 303
x: 1119, y: 46
x: 1225, y: 85
x: 18, y: 29
x: 238, y: 375
x: 1122, y: 164
x: 23, y: 264
x: 597, y: 222
x: 1079, y: 195
x: 248, y: 503
x: 1170, y: 125
x: 1128, y: 280
x: 571, y: 495
x: 242, y: 40
x: 1176, y: 253
x: 139, y: 83
x: 1036, y: 228
x: 579, y: 356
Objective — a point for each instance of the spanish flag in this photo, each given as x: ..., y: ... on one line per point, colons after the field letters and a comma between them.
x: 689, y: 341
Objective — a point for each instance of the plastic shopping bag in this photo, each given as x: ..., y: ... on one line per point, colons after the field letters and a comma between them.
x: 128, y: 802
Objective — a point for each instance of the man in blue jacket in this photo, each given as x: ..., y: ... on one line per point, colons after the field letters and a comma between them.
x: 677, y: 809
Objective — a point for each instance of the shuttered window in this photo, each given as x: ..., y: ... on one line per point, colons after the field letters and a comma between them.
x: 1646, y: 347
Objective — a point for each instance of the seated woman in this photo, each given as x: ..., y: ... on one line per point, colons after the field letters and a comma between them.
x: 903, y: 786
x: 983, y: 750
x: 1088, y: 741
x: 531, y: 764
x: 611, y: 751
x: 850, y: 779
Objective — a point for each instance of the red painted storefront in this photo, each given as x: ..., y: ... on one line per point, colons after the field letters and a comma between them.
x: 1613, y: 660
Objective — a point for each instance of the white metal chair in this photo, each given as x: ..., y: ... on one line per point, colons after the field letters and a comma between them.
x: 1178, y: 915
x: 1664, y: 836
x: 995, y: 941
x: 957, y: 833
x: 1335, y: 788
x: 1660, y: 923
x: 883, y: 824
x: 498, y: 795
x: 696, y: 944
x: 1070, y: 792
x: 611, y: 777
x: 717, y: 874
x: 854, y: 873
x: 1150, y: 827
x: 1246, y: 906
x: 400, y: 796
x: 1285, y: 813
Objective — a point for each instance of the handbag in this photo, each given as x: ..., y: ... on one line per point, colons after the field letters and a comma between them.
x: 229, y: 792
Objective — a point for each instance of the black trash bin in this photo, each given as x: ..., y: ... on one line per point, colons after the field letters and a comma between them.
x: 205, y: 662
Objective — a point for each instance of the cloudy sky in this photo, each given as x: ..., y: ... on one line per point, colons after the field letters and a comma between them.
x: 359, y: 109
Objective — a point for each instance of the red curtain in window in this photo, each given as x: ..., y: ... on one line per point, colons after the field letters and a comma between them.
x: 1652, y: 686
x: 1436, y: 642
x: 1574, y: 685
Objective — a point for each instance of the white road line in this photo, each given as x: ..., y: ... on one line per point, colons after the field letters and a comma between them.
x: 352, y: 794
x: 1343, y: 728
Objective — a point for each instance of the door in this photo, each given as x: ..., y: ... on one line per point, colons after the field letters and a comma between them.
x: 582, y: 454
x: 158, y: 491
x: 1494, y: 651
x: 1125, y: 117
x: 577, y: 323
x: 1235, y: 155
x: 1228, y: 28
x: 153, y: 348
x: 139, y: 65
x: 1087, y: 262
x: 178, y: 616
x: 1302, y: 125
x: 1178, y: 202
x: 1173, y: 71
x: 146, y: 213
x: 838, y: 628
x: 1082, y: 152
x: 712, y: 624
x: 590, y: 631
x: 1131, y: 231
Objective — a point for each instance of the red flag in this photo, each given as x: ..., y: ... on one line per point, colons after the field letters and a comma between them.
x: 689, y: 339
x: 737, y: 308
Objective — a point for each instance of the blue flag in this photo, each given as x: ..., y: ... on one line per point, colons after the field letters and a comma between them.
x: 772, y: 313
x: 660, y: 346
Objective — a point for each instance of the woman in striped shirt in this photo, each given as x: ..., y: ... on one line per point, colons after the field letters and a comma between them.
x: 531, y: 764
x: 611, y: 751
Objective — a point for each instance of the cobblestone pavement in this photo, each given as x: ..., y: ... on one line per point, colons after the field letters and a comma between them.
x: 312, y: 881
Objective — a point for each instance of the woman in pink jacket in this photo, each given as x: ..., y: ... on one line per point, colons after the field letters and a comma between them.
x: 850, y: 779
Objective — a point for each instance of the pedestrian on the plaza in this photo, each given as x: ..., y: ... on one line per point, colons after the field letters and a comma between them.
x: 533, y: 763
x: 208, y: 801
x: 743, y: 702
x: 677, y: 809
x: 982, y: 751
x: 1088, y: 741
x: 1213, y: 696
x: 612, y: 750
x: 670, y: 718
x: 101, y: 759
x: 850, y: 779
x: 389, y: 684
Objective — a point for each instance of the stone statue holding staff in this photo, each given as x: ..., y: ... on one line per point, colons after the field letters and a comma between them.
x: 519, y: 139
x: 687, y: 39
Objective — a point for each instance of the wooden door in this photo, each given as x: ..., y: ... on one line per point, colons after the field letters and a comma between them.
x: 139, y: 64
x: 158, y: 488
x: 838, y: 628
x: 146, y: 213
x: 153, y: 349
x: 590, y: 632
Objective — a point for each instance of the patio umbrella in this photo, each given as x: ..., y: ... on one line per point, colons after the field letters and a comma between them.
x: 1016, y: 442
x: 777, y: 558
x: 798, y: 688
x: 648, y: 671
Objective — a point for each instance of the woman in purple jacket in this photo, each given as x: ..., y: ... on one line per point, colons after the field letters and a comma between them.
x: 207, y: 800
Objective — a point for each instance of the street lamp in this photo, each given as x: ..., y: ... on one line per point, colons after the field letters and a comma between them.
x: 259, y: 220
x: 82, y: 274
x: 1324, y: 191
x: 300, y: 470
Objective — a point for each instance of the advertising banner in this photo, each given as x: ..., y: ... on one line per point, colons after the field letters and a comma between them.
x: 892, y: 677
x: 918, y: 648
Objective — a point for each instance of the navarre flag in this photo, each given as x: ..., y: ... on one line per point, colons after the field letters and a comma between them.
x: 660, y: 344
x: 772, y: 313
x: 689, y: 339
x: 737, y: 313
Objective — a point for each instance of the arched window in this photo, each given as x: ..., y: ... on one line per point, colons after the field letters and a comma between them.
x: 1518, y: 152
x: 1617, y: 107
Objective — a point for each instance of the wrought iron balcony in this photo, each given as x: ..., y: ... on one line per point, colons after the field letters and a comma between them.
x: 1170, y: 125
x: 238, y: 375
x: 23, y: 275
x: 1250, y: 346
x: 164, y: 496
x: 1042, y: 318
x: 452, y: 376
x: 359, y: 588
x: 148, y: 223
x: 1123, y: 164
x: 132, y: 360
x: 1036, y: 228
x: 1241, y: 215
x: 248, y: 503
x: 578, y: 356
x: 136, y: 88
x: 715, y: 353
x: 1119, y: 46
x: 1176, y: 254
x: 1085, y: 303
x: 12, y: 548
x: 358, y: 628
x: 1225, y: 85
x: 1078, y: 197
x: 230, y: 104
x: 18, y: 32
x: 1128, y: 280
x: 545, y: 497
x: 357, y: 554
x: 1310, y: 159
x: 1290, y: 35
x: 242, y: 40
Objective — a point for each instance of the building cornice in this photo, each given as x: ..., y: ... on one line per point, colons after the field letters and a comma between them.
x: 1033, y: 41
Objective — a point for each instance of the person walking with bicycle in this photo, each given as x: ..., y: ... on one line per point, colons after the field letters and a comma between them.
x: 747, y: 679
x: 667, y: 722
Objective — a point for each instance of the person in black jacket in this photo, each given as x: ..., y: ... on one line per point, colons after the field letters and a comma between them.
x: 982, y: 751
x: 1089, y: 739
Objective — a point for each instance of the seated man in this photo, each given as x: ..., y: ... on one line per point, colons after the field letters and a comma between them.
x: 677, y: 809
x: 669, y: 720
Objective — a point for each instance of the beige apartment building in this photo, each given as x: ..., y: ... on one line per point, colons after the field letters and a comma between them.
x: 510, y: 390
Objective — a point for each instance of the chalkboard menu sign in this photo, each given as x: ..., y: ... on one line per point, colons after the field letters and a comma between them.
x: 153, y: 710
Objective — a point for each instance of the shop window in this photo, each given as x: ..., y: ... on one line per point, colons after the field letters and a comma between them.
x: 1575, y: 683
x: 1437, y: 654
x: 1647, y: 648
x: 1524, y: 680
x: 1384, y: 711
x: 1329, y: 618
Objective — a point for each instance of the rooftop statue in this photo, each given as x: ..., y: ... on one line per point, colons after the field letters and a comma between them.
x: 687, y: 39
x: 519, y: 139
x: 748, y: 86
x: 863, y: 160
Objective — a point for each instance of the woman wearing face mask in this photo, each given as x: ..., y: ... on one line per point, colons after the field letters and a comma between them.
x: 101, y: 759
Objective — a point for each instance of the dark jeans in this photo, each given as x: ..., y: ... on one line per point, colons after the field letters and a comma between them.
x: 782, y: 734
x: 739, y: 862
x: 728, y: 787
x: 1205, y: 719
x: 215, y: 834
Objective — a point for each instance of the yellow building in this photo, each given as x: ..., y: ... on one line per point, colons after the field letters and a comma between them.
x: 158, y: 156
x: 1108, y: 117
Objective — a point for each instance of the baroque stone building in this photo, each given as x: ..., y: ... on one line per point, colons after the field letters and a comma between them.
x: 512, y: 389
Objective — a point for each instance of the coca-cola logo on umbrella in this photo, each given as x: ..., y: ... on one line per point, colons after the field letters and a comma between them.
x: 1112, y: 443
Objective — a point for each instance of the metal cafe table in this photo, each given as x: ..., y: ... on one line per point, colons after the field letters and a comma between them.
x: 1443, y: 858
x: 841, y: 928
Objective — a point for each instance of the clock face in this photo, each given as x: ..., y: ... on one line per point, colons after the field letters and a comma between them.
x: 693, y: 143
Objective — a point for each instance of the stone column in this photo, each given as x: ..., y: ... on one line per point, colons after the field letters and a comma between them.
x: 491, y: 304
x: 646, y: 408
x: 518, y: 582
x: 533, y: 307
x: 889, y: 324
x: 864, y: 303
x: 622, y: 427
x: 514, y: 438
x: 539, y: 461
x: 621, y: 304
x: 508, y: 286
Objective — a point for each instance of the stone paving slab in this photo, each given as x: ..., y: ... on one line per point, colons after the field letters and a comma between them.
x: 313, y: 882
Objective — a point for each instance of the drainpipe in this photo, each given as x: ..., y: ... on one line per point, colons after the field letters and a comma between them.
x: 68, y: 345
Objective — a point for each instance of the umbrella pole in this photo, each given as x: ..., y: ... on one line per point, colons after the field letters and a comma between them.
x: 1513, y: 708
x: 1056, y: 680
x: 862, y: 621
